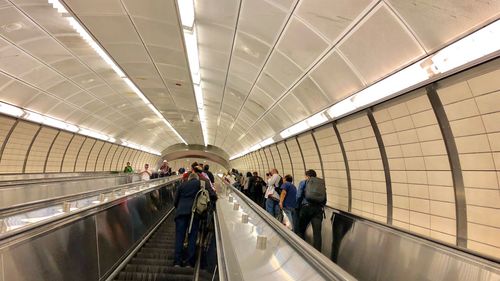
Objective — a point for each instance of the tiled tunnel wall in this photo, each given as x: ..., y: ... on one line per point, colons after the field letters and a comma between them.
x: 427, y: 162
x: 185, y: 163
x: 27, y: 147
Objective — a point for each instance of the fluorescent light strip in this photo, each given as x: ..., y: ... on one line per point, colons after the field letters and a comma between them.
x: 477, y: 45
x: 17, y: 112
x: 186, y: 10
x: 56, y: 4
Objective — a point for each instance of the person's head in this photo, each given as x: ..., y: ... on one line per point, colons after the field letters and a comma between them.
x: 128, y: 163
x: 194, y: 167
x: 255, y: 174
x: 310, y: 174
x: 206, y: 167
x: 288, y: 178
x: 165, y: 162
x: 200, y: 166
x: 193, y: 176
x: 274, y: 171
x: 249, y: 174
x: 268, y: 174
x: 146, y: 166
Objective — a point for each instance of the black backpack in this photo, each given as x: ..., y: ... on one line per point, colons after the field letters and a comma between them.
x: 316, y: 191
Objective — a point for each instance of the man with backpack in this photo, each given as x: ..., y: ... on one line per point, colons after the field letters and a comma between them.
x: 311, y: 200
x: 186, y: 220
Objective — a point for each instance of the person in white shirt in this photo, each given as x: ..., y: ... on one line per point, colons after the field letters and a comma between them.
x: 272, y: 196
x: 146, y: 173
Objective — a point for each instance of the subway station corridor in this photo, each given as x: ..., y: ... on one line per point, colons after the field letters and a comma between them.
x: 187, y: 140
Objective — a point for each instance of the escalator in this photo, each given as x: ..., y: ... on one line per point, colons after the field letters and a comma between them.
x: 154, y: 261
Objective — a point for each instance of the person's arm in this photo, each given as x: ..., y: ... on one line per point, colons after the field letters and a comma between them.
x: 177, y: 197
x: 300, y: 193
x: 282, y: 198
x: 149, y: 172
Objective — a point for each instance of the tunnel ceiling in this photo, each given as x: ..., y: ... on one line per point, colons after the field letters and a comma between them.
x: 265, y: 65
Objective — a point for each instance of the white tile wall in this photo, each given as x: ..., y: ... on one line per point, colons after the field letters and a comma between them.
x: 16, y: 147
x: 71, y: 154
x: 56, y: 152
x: 39, y: 150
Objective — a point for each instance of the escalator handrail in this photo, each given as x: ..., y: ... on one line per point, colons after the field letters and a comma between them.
x: 322, y: 264
x: 221, y: 262
x: 15, y: 183
x: 33, y: 205
x: 4, y: 236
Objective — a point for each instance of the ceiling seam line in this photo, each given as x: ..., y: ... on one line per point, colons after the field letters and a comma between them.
x: 273, y: 47
x: 328, y: 51
x: 407, y: 27
x: 227, y: 72
x: 154, y: 64
x: 53, y: 69
x: 70, y: 52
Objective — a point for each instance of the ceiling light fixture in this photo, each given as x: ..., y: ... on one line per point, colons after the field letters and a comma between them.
x: 56, y: 4
x: 186, y: 10
x: 474, y: 46
x: 187, y: 14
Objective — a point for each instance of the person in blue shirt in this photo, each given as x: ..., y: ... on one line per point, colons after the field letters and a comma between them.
x: 288, y: 201
x: 301, y: 200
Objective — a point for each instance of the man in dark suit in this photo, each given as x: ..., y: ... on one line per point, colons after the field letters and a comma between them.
x: 184, y: 199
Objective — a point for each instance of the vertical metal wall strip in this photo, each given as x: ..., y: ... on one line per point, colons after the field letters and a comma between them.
x: 272, y: 157
x: 263, y: 152
x: 97, y: 157
x: 281, y: 159
x: 7, y: 137
x: 290, y: 158
x: 262, y: 163
x: 29, y: 148
x: 88, y: 156
x: 301, y: 155
x: 319, y: 154
x: 456, y: 169
x: 118, y: 159
x: 50, y: 149
x: 66, y: 150
x: 385, y: 163
x: 78, y: 153
x: 346, y: 164
x: 106, y: 158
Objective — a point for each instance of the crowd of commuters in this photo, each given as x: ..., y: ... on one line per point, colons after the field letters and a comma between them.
x: 302, y: 206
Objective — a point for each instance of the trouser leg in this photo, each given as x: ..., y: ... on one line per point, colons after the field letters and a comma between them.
x: 270, y: 206
x: 304, y: 220
x: 316, y: 222
x: 192, y: 241
x: 181, y: 225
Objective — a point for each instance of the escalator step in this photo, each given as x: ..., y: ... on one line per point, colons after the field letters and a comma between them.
x: 159, y: 269
x: 139, y: 276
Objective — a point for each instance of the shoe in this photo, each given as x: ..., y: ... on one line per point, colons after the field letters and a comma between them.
x: 177, y: 265
x: 188, y: 266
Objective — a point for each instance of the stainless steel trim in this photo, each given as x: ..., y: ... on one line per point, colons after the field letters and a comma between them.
x: 289, y: 158
x: 42, y: 226
x: 50, y: 149
x: 322, y: 264
x: 346, y: 164
x: 385, y: 163
x: 7, y: 137
x: 456, y: 169
x: 221, y: 262
x: 301, y: 154
x: 66, y: 150
x: 281, y: 159
x: 88, y: 155
x: 29, y: 148
x: 319, y: 154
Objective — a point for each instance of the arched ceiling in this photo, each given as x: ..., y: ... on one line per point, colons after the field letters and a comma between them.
x: 265, y: 64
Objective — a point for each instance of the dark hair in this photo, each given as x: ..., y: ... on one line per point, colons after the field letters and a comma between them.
x: 288, y: 178
x: 249, y: 174
x: 255, y: 174
x: 267, y: 174
x: 311, y: 173
x: 206, y: 167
